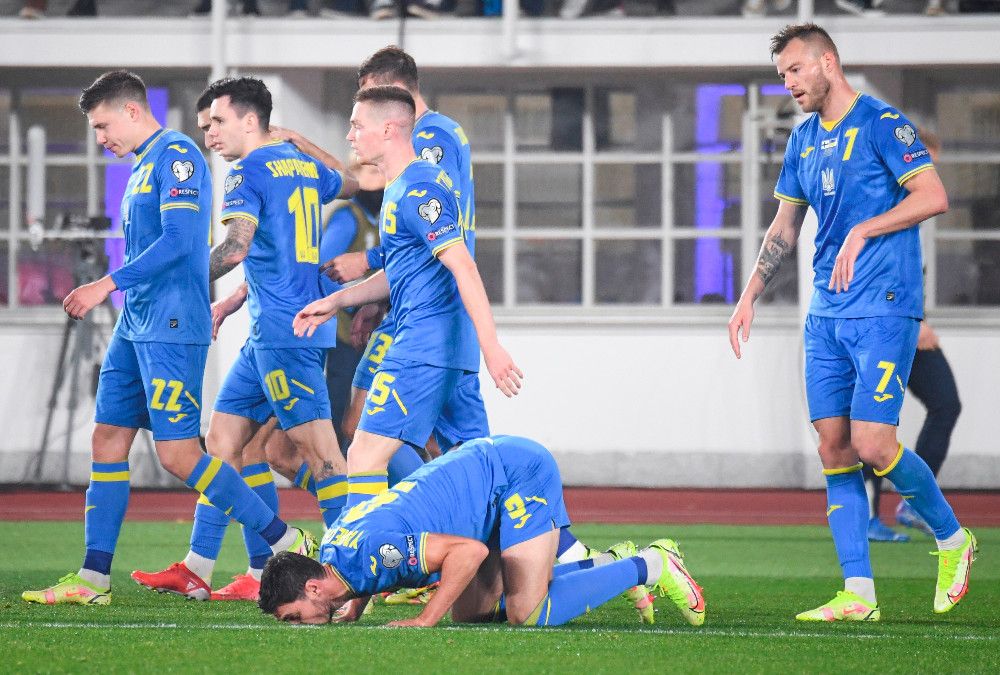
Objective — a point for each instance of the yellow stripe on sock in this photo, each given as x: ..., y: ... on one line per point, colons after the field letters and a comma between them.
x: 848, y: 469
x: 202, y: 499
x: 259, y: 479
x: 366, y: 488
x: 304, y: 483
x: 110, y: 477
x: 892, y: 465
x: 338, y: 489
x: 532, y: 619
x: 213, y: 468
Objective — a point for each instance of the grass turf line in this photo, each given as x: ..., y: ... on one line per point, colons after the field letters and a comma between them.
x: 755, y: 578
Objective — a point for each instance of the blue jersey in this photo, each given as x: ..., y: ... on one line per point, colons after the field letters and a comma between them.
x: 418, y: 221
x: 440, y: 140
x: 379, y: 543
x: 280, y: 190
x: 849, y: 171
x: 166, y: 213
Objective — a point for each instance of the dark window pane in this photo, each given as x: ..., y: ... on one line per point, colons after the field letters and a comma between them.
x: 628, y: 271
x: 548, y: 195
x: 706, y: 270
x: 627, y: 195
x: 489, y: 259
x: 549, y: 271
x: 489, y: 195
x: 707, y: 195
x: 968, y: 272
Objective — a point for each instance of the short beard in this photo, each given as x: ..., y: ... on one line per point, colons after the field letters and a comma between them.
x: 820, y: 95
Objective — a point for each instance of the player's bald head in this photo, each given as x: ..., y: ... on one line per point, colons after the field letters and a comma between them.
x: 815, y: 37
x: 389, y: 104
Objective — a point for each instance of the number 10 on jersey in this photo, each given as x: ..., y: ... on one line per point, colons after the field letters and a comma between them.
x: 304, y: 205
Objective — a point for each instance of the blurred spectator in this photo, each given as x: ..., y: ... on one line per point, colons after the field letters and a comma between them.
x: 759, y: 7
x: 35, y: 9
x: 528, y: 7
x: 574, y: 9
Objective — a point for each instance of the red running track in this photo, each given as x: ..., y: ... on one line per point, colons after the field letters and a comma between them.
x: 586, y: 505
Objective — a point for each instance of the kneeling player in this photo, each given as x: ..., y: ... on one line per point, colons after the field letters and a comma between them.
x: 493, y: 547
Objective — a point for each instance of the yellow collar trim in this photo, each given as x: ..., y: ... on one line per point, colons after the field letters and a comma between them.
x: 830, y: 126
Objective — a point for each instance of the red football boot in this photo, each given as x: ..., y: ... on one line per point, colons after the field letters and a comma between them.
x: 175, y: 579
x: 243, y: 587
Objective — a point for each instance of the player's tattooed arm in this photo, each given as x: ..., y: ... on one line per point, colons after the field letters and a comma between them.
x: 772, y: 253
x: 233, y: 250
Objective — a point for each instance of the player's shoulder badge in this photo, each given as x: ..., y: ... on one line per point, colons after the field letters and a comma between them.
x: 905, y: 135
x: 432, y: 154
x: 182, y: 169
x: 430, y: 210
x: 233, y: 181
x: 391, y: 556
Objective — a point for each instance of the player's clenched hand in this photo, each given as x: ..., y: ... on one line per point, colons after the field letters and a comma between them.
x: 365, y: 320
x: 739, y: 324
x: 351, y: 610
x: 927, y: 339
x: 84, y: 298
x: 313, y: 315
x: 346, y: 266
x: 282, y: 134
x: 505, y: 373
x: 843, y: 266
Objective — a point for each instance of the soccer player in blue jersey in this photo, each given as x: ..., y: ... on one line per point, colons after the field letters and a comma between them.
x: 152, y: 373
x: 493, y: 547
x: 859, y: 163
x: 272, y: 214
x: 436, y: 294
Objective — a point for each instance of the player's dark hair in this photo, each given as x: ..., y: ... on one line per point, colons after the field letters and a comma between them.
x: 390, y: 64
x: 115, y: 86
x: 808, y: 32
x: 386, y: 94
x: 247, y: 94
x: 284, y: 579
x: 210, y: 94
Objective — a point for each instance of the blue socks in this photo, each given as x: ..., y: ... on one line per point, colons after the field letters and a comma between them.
x: 304, y: 479
x: 209, y: 529
x: 107, y: 500
x: 403, y: 463
x: 222, y: 486
x: 260, y: 480
x: 847, y: 513
x: 363, y: 486
x: 331, y: 493
x: 916, y: 484
x: 578, y: 591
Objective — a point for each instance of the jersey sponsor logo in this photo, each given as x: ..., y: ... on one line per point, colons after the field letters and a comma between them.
x: 910, y: 156
x: 175, y: 146
x: 374, y: 565
x: 431, y: 236
x: 882, y: 398
x: 391, y: 557
x: 432, y: 154
x: 182, y: 170
x: 805, y: 153
x: 833, y: 507
x: 905, y: 135
x: 411, y: 551
x: 176, y: 418
x: 228, y: 204
x: 426, y: 135
x: 183, y: 192
x: 829, y: 188
x: 828, y: 146
x: 889, y: 115
x: 430, y: 210
x: 233, y: 181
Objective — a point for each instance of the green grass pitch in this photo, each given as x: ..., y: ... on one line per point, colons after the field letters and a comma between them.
x: 755, y: 580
